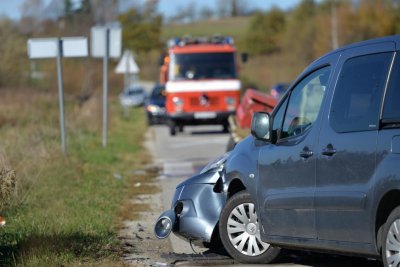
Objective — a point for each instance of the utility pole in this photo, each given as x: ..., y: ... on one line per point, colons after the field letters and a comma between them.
x: 334, y: 26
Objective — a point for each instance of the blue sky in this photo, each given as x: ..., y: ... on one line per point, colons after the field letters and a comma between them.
x: 11, y: 8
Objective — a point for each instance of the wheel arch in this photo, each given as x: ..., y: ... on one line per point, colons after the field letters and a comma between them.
x: 386, y: 205
x: 235, y: 186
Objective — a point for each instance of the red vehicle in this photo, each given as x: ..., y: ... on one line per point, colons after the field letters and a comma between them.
x: 202, y: 84
x: 253, y: 101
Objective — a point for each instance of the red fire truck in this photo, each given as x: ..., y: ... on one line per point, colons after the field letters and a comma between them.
x: 202, y: 84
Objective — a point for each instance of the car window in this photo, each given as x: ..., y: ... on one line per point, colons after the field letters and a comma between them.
x: 304, y: 103
x: 391, y: 109
x: 358, y: 93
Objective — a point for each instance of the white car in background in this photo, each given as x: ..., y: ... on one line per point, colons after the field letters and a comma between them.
x: 132, y: 97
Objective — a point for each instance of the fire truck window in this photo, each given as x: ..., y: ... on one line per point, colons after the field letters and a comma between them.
x: 176, y: 70
x: 203, y: 66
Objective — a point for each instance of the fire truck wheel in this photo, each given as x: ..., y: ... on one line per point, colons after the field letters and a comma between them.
x: 226, y: 128
x: 172, y: 127
x: 172, y: 130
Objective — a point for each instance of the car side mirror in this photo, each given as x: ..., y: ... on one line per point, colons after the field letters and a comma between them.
x: 260, y: 126
x: 244, y: 57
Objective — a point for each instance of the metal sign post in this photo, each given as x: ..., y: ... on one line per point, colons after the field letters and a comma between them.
x: 105, y: 43
x: 61, y: 95
x: 105, y: 85
x: 40, y: 48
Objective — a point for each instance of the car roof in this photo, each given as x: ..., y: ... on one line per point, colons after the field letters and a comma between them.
x: 388, y: 39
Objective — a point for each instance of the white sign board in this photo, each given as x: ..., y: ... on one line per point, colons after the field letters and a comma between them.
x: 48, y: 47
x: 127, y: 64
x: 98, y: 42
x: 42, y: 48
x: 75, y: 47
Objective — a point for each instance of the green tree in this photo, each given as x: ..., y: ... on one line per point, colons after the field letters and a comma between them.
x: 301, y: 32
x: 263, y: 35
x: 141, y: 32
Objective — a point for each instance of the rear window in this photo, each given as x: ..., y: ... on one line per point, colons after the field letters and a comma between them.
x: 359, y: 91
x: 138, y: 91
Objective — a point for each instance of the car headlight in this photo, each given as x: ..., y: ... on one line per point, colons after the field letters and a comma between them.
x: 230, y: 101
x: 153, y: 108
x: 216, y: 163
x: 177, y: 101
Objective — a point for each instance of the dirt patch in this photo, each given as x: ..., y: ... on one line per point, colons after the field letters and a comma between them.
x: 140, y: 246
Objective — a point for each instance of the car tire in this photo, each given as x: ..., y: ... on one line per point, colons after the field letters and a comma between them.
x: 240, y: 233
x: 391, y: 239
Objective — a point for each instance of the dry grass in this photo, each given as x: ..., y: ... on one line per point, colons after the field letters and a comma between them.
x: 7, y: 182
x: 64, y: 209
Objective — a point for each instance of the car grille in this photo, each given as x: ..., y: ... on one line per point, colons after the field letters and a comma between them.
x: 195, y: 101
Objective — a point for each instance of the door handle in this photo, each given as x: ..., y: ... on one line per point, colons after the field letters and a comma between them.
x: 306, y: 153
x: 329, y: 151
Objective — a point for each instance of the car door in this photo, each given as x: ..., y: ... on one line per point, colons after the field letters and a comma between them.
x: 286, y: 186
x: 347, y: 145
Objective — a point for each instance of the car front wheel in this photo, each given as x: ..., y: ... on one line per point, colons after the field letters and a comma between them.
x: 391, y: 239
x: 240, y: 231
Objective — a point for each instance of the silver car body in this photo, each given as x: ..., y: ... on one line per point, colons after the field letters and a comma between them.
x: 132, y: 97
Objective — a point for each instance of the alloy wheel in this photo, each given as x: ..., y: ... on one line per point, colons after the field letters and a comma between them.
x: 244, y: 230
x: 393, y: 244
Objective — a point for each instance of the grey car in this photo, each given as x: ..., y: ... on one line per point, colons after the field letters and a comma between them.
x: 132, y: 97
x: 322, y: 171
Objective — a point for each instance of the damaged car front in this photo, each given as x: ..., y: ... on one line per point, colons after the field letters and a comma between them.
x: 216, y: 209
x: 196, y: 206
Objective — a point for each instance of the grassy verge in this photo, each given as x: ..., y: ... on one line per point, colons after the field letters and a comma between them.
x: 66, y: 209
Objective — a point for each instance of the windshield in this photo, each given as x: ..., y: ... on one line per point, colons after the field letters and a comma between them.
x: 202, y: 66
x: 158, y: 91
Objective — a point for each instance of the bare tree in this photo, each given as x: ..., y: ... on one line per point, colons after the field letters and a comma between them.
x: 186, y: 13
x: 32, y: 8
x: 231, y: 8
x: 105, y: 11
x: 206, y: 13
x: 31, y: 13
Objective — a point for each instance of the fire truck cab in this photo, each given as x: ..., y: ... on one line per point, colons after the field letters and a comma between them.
x: 202, y: 84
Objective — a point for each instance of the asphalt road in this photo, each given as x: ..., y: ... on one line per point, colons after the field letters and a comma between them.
x: 181, y: 156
